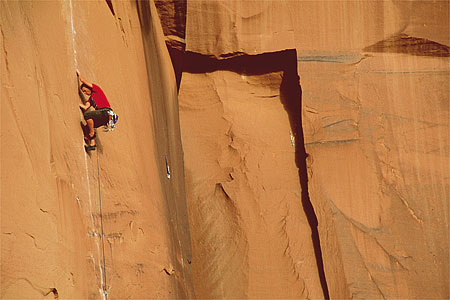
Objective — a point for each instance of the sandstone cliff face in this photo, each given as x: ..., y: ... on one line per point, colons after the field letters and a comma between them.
x: 315, y: 137
x: 245, y: 194
x: 374, y: 111
x: 51, y: 225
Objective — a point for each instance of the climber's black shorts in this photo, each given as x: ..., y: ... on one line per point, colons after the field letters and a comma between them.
x: 100, y: 117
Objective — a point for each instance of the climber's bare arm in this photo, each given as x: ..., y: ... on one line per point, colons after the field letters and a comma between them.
x: 84, y: 80
x: 85, y: 106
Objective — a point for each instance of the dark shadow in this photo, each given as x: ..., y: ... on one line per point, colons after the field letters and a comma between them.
x: 180, y: 17
x: 239, y: 63
x: 84, y: 128
x: 110, y: 5
x: 167, y: 143
x: 291, y: 98
x: 403, y: 43
x: 55, y: 293
x: 176, y: 53
x: 172, y: 14
x: 83, y: 124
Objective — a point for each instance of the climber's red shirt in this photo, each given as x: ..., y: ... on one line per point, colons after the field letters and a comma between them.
x: 99, y: 97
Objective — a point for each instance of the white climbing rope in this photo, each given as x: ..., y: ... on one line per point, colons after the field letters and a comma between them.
x: 102, y: 269
x: 105, y: 292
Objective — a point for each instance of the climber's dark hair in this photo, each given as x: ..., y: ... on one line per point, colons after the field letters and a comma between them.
x: 86, y: 86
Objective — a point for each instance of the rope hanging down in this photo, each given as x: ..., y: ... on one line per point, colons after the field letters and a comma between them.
x: 102, y: 268
x: 105, y: 292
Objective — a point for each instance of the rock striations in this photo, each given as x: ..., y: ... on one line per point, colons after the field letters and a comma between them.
x: 368, y: 217
x: 51, y: 189
x: 265, y: 150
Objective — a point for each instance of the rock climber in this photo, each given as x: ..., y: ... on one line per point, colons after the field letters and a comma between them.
x: 97, y: 117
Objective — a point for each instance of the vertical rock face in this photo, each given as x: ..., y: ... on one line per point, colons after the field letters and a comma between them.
x: 222, y: 28
x: 376, y: 159
x: 377, y: 138
x: 240, y: 120
x: 315, y: 137
x: 251, y: 236
x: 374, y: 78
x: 51, y: 221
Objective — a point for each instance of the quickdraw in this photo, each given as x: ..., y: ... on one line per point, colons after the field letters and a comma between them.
x: 112, y: 121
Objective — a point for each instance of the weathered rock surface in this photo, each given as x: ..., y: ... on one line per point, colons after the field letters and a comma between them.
x: 251, y: 236
x: 315, y: 137
x: 378, y: 172
x: 50, y: 189
x: 375, y: 114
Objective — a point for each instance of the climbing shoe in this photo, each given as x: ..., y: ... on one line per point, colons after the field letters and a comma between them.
x: 90, y: 148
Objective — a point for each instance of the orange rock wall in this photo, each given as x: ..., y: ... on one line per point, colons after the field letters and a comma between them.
x: 50, y: 201
x: 376, y: 130
x: 375, y: 116
x: 250, y: 235
x: 362, y: 87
